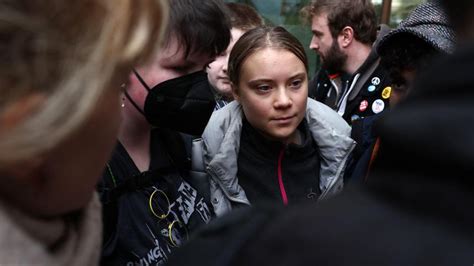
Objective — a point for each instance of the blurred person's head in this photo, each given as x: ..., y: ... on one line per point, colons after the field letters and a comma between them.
x: 337, y: 25
x: 243, y: 18
x: 268, y: 71
x: 411, y: 47
x: 62, y: 66
x: 197, y: 32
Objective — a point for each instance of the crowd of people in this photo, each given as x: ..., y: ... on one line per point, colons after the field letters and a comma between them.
x: 185, y: 132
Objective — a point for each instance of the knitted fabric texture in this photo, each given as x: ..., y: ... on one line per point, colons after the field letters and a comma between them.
x: 428, y: 22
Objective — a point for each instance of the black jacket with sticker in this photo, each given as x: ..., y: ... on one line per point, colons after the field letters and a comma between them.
x: 364, y: 94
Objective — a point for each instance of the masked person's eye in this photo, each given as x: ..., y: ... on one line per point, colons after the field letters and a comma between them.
x: 187, y: 67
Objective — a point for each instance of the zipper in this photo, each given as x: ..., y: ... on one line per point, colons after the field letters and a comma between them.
x: 343, y: 101
x: 284, y: 197
x: 336, y: 88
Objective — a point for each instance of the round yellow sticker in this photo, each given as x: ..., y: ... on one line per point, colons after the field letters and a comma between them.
x: 387, y: 92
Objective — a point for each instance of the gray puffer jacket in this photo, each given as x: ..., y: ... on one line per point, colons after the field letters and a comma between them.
x: 215, y: 154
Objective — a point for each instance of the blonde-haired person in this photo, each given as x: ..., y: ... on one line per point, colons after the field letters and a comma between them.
x: 62, y: 66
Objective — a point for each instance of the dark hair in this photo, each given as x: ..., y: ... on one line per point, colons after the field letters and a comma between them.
x: 199, y: 26
x: 244, y: 17
x: 406, y: 52
x: 260, y: 38
x: 357, y: 14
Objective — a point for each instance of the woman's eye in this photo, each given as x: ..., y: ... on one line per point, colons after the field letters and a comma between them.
x: 296, y: 83
x: 263, y: 88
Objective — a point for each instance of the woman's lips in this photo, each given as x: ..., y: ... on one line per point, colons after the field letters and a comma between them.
x: 284, y: 119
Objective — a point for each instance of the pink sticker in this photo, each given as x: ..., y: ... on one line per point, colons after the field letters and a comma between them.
x: 363, y: 105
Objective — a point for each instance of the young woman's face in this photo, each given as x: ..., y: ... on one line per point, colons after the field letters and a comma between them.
x: 273, y: 91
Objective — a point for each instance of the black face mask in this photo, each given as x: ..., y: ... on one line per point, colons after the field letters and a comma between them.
x: 183, y: 104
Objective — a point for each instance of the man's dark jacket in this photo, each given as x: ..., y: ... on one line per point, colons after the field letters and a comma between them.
x: 366, y: 88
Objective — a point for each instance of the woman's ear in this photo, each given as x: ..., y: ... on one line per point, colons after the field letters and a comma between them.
x: 235, y: 92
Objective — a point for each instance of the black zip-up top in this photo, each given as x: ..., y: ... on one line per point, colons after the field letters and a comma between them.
x: 368, y: 91
x: 271, y: 171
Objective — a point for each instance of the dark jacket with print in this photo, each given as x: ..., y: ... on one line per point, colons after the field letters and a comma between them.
x: 134, y: 233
